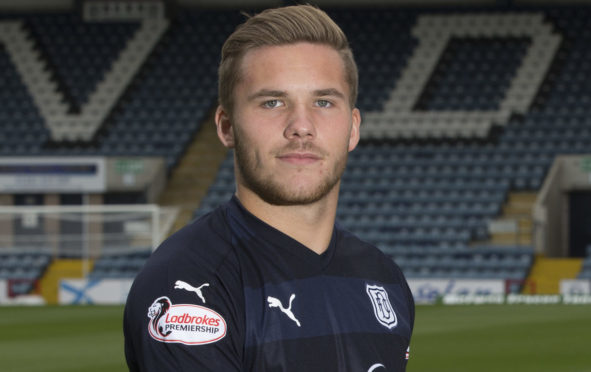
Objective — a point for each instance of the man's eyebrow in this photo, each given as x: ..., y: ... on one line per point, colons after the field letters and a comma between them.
x: 329, y: 92
x: 267, y: 93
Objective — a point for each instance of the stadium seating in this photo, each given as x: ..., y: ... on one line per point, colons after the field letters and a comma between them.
x: 511, y: 262
x: 23, y: 266
x: 158, y: 113
x: 119, y: 265
x: 425, y: 198
x: 419, y: 196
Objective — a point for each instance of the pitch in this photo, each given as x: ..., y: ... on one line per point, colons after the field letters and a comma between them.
x: 61, y: 339
x: 447, y: 338
x: 522, y: 338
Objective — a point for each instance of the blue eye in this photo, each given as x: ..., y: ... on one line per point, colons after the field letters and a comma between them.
x: 323, y: 103
x: 272, y: 103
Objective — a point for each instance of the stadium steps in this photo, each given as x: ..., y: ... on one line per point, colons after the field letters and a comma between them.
x: 518, y: 208
x: 60, y: 269
x: 546, y: 273
x: 195, y: 172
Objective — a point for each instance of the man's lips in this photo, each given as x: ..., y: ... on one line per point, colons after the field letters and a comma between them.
x: 297, y: 158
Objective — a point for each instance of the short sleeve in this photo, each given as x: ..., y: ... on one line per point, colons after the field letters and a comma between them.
x: 185, y: 309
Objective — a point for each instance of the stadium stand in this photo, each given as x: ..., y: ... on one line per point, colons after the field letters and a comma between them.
x: 157, y: 114
x: 119, y: 265
x: 424, y: 202
x: 422, y: 196
x: 24, y: 267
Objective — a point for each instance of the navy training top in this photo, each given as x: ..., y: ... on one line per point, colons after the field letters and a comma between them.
x: 228, y: 292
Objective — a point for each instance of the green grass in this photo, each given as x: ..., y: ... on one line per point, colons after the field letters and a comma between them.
x: 553, y: 338
x: 61, y: 339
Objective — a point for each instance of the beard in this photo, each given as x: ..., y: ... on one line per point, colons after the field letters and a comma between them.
x: 278, y: 191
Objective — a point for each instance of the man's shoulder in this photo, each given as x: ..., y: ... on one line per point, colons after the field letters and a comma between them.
x: 366, y: 258
x: 355, y: 245
x: 200, y: 252
x: 197, y: 249
x: 208, y: 228
x: 194, y: 273
x: 202, y: 241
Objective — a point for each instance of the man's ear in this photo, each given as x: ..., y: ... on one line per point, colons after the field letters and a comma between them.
x: 356, y: 123
x: 224, y: 127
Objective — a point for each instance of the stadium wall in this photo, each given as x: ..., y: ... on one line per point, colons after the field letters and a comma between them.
x: 345, y: 3
x: 30, y: 5
x: 94, y: 291
x: 27, y: 5
x: 51, y: 5
x: 425, y: 291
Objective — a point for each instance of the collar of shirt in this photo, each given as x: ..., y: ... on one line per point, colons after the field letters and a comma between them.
x: 247, y: 226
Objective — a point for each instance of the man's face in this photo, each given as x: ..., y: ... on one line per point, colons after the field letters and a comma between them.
x: 292, y: 125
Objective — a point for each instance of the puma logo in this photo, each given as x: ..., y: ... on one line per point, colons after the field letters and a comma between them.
x: 179, y: 284
x: 274, y: 302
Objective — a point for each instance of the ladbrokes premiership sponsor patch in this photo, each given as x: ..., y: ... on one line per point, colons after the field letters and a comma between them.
x: 184, y: 323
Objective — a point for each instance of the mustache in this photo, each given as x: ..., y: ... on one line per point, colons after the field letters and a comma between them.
x: 301, y: 146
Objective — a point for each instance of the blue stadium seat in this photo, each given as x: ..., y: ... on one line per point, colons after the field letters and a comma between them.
x: 412, y: 193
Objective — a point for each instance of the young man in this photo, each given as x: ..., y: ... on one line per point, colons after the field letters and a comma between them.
x: 268, y: 282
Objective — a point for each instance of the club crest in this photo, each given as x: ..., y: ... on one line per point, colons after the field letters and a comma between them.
x: 382, y: 307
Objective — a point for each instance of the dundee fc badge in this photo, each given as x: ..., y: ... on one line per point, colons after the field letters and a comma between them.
x: 382, y: 307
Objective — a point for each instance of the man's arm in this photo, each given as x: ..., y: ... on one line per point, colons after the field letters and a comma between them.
x: 185, y: 312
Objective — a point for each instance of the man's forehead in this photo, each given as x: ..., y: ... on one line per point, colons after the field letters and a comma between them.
x: 306, y: 61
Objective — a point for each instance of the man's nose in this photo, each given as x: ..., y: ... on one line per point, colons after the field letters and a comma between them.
x: 300, y: 123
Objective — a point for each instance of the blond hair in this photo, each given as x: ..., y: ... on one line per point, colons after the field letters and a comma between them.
x: 281, y: 26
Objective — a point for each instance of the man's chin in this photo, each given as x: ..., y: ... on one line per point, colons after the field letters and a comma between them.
x: 288, y: 196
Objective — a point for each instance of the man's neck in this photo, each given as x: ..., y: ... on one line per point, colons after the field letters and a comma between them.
x: 311, y: 224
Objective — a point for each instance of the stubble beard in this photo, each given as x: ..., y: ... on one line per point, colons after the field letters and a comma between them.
x: 274, y: 192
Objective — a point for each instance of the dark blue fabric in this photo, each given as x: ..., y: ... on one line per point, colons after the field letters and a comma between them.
x: 324, y: 305
x: 322, y: 318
